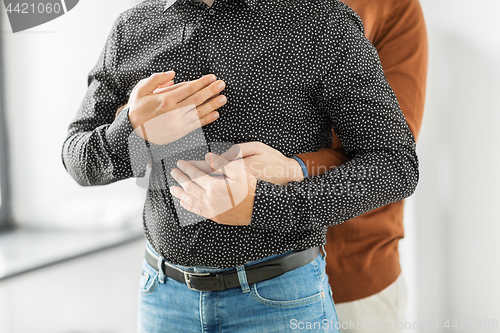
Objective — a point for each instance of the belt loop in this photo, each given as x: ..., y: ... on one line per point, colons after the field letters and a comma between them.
x: 161, y: 273
x: 242, y: 276
x: 323, y: 248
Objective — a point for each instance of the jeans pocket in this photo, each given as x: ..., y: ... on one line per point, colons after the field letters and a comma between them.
x: 298, y: 287
x: 149, y: 278
x: 321, y: 267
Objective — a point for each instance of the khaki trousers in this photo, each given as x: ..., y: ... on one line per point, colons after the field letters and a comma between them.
x: 382, y: 312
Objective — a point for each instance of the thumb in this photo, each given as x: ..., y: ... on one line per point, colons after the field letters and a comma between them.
x: 232, y: 153
x: 215, y: 161
x: 241, y: 150
x: 231, y: 169
x: 151, y: 83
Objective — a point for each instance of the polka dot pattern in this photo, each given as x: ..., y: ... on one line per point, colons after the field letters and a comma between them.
x: 293, y: 69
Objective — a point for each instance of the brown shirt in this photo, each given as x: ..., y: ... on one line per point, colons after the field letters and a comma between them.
x: 362, y: 253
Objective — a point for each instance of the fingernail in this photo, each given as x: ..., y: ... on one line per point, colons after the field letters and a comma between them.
x: 170, y: 72
x: 221, y: 84
x: 222, y: 99
x: 179, y: 164
x: 172, y: 190
x: 212, y: 78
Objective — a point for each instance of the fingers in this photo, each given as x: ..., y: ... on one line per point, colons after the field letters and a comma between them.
x: 202, y: 95
x: 169, y: 83
x: 192, y: 87
x: 243, y: 150
x: 195, y: 174
x: 188, y: 185
x: 210, y: 118
x: 148, y: 85
x: 213, y: 96
x: 206, y: 108
x: 206, y: 168
x: 204, y: 114
x: 215, y: 161
x: 236, y: 177
x: 232, y: 153
x: 170, y: 87
x: 166, y: 87
x: 234, y: 169
x: 188, y: 201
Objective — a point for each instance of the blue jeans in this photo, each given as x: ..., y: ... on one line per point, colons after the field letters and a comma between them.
x: 298, y: 300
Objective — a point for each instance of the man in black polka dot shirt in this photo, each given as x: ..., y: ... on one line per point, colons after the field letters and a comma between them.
x: 290, y: 70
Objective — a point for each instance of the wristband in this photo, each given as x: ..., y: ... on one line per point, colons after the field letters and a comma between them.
x: 302, y: 166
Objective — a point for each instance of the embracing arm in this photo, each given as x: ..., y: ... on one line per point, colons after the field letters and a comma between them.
x: 382, y: 166
x: 403, y: 51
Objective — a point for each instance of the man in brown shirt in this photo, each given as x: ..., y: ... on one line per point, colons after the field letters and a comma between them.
x: 362, y: 253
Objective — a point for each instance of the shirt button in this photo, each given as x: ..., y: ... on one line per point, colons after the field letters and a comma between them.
x: 211, y: 11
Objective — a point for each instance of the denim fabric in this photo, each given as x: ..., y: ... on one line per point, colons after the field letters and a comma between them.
x: 299, y: 300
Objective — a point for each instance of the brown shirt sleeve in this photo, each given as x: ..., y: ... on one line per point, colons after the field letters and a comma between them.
x: 397, y: 30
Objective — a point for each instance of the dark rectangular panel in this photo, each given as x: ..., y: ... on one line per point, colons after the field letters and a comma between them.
x: 5, y: 222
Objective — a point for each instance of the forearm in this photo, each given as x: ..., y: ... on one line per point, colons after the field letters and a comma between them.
x: 319, y: 162
x: 108, y: 153
x: 364, y: 183
x: 405, y: 69
x: 365, y: 114
x: 100, y: 149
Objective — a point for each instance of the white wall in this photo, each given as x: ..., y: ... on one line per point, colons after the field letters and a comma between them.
x: 456, y: 203
x: 46, y: 79
x: 451, y: 253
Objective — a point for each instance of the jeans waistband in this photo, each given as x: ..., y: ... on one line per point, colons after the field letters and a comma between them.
x: 206, y: 269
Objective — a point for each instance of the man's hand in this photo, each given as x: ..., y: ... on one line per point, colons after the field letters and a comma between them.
x: 224, y: 195
x: 266, y: 163
x: 159, y: 89
x: 262, y: 161
x: 162, y: 113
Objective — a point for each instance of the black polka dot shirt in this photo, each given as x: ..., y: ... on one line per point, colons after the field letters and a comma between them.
x: 293, y: 70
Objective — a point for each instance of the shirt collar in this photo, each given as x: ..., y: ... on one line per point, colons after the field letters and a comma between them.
x: 252, y: 4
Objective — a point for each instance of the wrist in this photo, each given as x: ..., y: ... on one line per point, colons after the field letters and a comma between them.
x: 120, y: 110
x: 133, y: 118
x: 297, y: 170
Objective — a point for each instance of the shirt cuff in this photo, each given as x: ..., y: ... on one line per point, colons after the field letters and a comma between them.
x: 127, y: 145
x: 273, y: 208
x: 302, y: 166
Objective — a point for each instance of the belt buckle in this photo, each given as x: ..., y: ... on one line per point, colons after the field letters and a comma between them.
x: 188, y: 282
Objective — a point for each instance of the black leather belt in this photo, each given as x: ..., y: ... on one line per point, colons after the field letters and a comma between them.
x: 229, y: 279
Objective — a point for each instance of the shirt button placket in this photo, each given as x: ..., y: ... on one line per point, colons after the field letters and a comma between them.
x: 205, y: 68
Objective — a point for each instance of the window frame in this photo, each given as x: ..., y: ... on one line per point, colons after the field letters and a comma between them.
x: 5, y: 204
